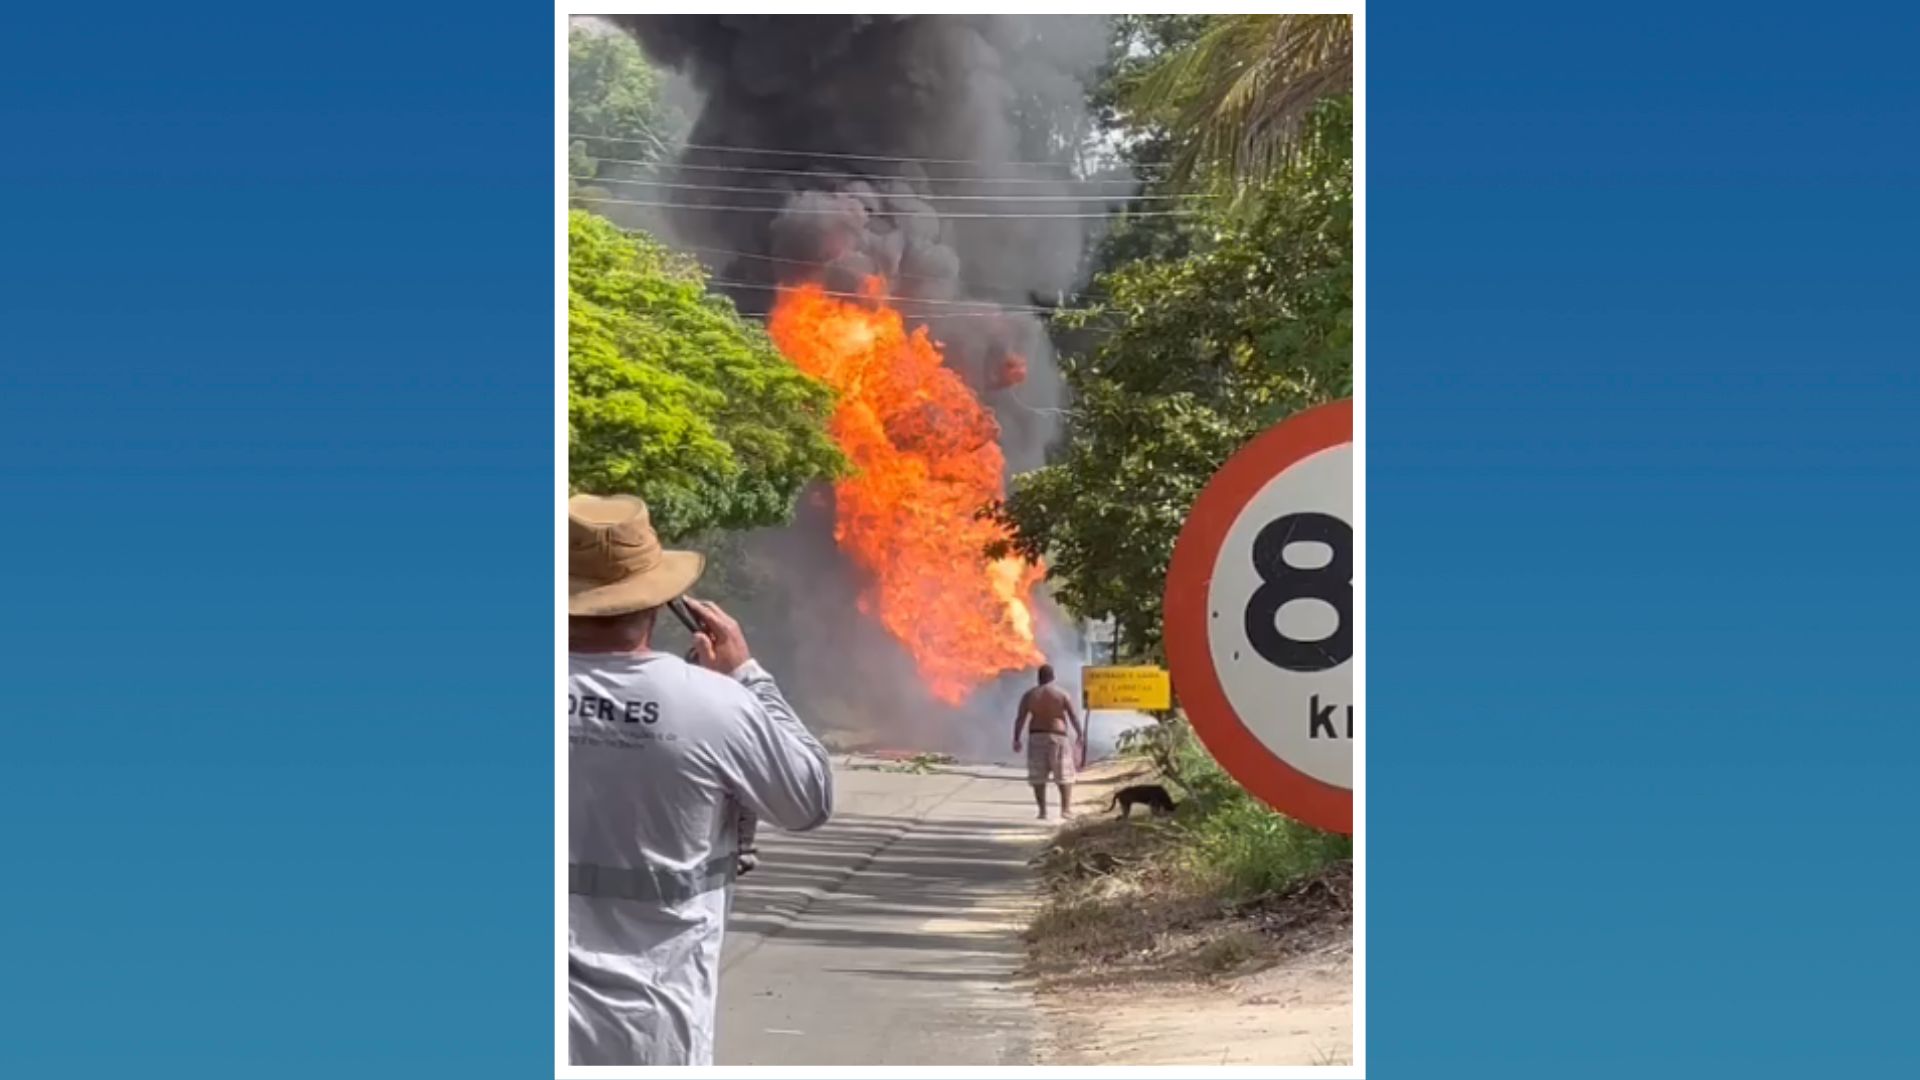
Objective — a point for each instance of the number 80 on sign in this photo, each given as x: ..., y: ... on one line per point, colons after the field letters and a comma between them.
x: 1260, y: 619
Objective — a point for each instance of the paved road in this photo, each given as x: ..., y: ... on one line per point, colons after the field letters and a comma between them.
x: 892, y: 935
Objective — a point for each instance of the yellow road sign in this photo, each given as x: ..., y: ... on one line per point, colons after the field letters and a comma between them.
x: 1127, y: 688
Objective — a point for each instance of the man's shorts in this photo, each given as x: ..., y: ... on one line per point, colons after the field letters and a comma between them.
x: 1049, y: 756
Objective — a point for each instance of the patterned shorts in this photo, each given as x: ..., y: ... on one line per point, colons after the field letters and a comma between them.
x: 1049, y: 756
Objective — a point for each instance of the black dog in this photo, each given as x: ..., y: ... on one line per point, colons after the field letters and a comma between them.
x: 1153, y: 796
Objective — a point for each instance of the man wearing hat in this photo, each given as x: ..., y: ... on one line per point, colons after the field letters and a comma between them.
x: 665, y: 759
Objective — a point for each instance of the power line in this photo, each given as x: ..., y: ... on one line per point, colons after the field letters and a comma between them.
x: 898, y: 275
x: 1028, y: 309
x: 873, y: 213
x: 909, y: 314
x: 751, y: 170
x: 653, y: 140
x: 923, y: 317
x: 924, y: 198
x: 901, y: 274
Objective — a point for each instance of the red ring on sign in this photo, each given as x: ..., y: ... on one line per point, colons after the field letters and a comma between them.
x: 1189, y: 577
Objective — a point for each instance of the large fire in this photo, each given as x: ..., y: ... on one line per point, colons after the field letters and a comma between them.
x: 927, y: 458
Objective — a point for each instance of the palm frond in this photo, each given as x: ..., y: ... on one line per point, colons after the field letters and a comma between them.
x: 1241, y: 93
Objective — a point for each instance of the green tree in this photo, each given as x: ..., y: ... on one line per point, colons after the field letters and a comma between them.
x: 615, y: 112
x: 673, y: 397
x: 1136, y: 142
x: 1137, y: 127
x: 1143, y: 136
x: 1240, y: 95
x: 1195, y: 356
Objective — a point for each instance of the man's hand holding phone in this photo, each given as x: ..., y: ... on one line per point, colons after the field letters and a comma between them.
x: 718, y: 644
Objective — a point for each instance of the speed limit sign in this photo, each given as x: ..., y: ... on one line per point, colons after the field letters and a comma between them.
x: 1260, y: 619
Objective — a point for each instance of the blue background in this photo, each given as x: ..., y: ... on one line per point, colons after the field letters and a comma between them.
x: 1641, y: 496
x: 276, y: 457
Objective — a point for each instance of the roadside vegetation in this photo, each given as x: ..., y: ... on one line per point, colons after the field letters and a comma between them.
x: 1235, y: 845
x: 1223, y: 886
x: 672, y: 394
x: 1210, y: 328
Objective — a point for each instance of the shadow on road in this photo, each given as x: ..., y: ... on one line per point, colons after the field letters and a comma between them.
x: 905, y: 871
x: 889, y: 936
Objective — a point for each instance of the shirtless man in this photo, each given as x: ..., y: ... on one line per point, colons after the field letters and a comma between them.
x: 1050, y: 753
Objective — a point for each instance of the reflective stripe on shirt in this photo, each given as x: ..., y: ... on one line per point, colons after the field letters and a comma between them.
x: 650, y: 883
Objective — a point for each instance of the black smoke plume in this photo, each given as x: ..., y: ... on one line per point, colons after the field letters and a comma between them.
x: 809, y: 118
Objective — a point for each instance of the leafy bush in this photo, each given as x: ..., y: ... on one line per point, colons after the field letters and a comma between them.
x: 1231, y: 838
x: 1163, y: 743
x: 674, y: 397
x: 1251, y: 851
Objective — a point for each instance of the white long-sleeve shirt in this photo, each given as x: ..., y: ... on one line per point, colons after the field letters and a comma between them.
x: 663, y: 757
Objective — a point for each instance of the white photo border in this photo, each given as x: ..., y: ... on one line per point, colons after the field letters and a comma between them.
x: 563, y: 11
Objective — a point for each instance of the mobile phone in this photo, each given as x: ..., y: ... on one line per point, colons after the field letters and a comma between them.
x: 685, y: 614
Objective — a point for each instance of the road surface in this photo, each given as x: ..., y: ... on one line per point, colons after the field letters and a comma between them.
x: 892, y: 935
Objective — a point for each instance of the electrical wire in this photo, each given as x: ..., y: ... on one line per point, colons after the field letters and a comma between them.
x: 873, y: 213
x: 924, y: 198
x: 1025, y: 309
x: 759, y: 171
x: 654, y: 140
x: 901, y: 275
x: 910, y: 314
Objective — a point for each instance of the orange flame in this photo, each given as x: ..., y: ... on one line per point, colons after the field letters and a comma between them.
x: 926, y: 458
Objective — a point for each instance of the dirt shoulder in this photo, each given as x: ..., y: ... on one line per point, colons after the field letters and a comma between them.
x: 1297, y: 1013
x: 1136, y: 962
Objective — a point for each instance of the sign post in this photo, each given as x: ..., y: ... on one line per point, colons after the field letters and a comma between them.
x: 1259, y: 616
x: 1141, y: 688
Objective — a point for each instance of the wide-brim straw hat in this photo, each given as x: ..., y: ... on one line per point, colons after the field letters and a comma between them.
x: 615, y: 564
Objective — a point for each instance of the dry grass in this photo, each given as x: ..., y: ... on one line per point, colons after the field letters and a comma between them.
x: 1230, y: 951
x: 1129, y: 901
